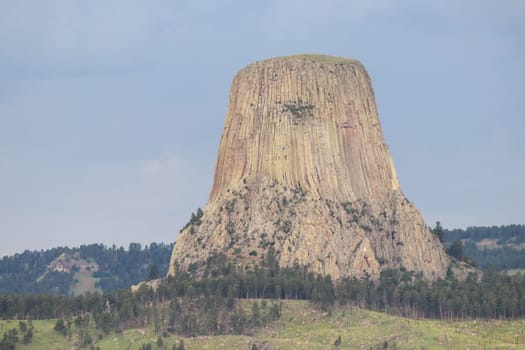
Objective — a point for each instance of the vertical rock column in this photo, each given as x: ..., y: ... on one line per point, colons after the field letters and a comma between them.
x: 303, y: 169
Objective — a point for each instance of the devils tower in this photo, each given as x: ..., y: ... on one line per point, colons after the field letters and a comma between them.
x: 303, y: 170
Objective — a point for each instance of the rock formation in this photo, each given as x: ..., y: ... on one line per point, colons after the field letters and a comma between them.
x: 303, y: 169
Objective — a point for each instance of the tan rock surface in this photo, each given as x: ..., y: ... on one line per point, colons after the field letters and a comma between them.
x: 303, y: 167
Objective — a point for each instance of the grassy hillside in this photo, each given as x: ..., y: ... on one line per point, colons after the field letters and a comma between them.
x: 303, y: 327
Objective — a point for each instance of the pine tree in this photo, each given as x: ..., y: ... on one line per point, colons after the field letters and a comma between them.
x: 438, y: 231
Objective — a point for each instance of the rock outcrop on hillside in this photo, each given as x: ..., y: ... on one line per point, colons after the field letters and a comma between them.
x: 303, y: 170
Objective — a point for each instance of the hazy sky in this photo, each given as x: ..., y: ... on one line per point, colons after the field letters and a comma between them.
x: 111, y: 112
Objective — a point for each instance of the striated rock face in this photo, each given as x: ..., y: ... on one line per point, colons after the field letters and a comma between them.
x: 303, y: 169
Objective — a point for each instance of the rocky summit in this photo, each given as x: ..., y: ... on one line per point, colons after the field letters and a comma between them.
x: 303, y: 173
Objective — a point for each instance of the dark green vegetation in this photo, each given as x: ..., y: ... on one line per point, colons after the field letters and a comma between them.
x: 234, y: 305
x: 243, y: 303
x: 23, y: 333
x: 501, y: 246
x: 22, y: 273
x: 494, y: 295
x: 301, y: 326
x: 114, y: 268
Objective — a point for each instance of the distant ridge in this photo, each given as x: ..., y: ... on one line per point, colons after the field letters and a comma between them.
x: 91, y: 267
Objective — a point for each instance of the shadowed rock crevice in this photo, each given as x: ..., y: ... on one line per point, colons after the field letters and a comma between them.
x: 303, y: 170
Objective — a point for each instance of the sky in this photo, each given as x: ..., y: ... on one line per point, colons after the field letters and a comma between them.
x: 111, y: 112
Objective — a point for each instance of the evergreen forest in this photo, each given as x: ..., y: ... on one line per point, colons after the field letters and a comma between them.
x: 117, y: 268
x: 502, y: 247
x: 224, y: 299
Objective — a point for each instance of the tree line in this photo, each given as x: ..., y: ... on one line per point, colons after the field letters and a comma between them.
x: 508, y: 253
x: 121, y: 267
x: 187, y: 305
x: 118, y: 268
x: 504, y: 257
x: 504, y: 233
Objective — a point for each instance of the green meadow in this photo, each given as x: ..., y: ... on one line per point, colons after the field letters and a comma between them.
x: 303, y: 326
